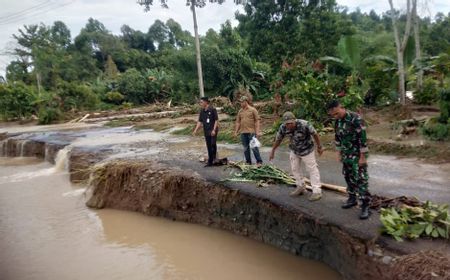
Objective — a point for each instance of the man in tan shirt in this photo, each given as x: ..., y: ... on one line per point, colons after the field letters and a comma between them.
x: 248, y: 125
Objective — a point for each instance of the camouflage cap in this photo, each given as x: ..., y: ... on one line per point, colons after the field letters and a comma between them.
x: 288, y: 117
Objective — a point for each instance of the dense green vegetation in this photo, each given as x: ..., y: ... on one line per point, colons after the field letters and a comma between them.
x: 308, y: 52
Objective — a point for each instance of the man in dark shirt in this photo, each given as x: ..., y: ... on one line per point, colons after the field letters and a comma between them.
x: 209, y: 119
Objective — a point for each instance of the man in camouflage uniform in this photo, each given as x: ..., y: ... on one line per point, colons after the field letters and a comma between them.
x: 352, y: 151
x: 301, y: 135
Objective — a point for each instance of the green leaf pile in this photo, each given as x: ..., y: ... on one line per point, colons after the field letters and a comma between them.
x: 263, y: 174
x: 430, y: 220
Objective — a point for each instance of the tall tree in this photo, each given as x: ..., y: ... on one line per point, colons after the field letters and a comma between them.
x: 438, y: 38
x: 279, y: 30
x: 193, y: 4
x: 137, y: 39
x: 401, y: 46
x: 419, y: 82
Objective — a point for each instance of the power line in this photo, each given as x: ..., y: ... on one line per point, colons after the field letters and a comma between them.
x: 35, y: 13
x: 32, y: 12
x: 19, y: 13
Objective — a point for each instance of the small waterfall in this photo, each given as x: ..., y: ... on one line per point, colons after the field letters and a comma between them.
x: 22, y: 147
x: 47, y: 154
x: 62, y: 159
x: 3, y: 146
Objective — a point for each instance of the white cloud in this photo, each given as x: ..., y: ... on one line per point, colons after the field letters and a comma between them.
x: 114, y: 13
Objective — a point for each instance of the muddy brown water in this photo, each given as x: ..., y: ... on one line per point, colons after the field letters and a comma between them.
x: 47, y: 232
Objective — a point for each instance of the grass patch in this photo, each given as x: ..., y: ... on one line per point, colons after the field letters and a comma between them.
x: 119, y: 122
x: 227, y: 136
x: 184, y: 131
x: 155, y: 126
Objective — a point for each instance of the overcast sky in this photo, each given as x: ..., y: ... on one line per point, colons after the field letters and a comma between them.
x: 114, y: 13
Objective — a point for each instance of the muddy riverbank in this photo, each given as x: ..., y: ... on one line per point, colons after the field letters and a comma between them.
x: 125, y: 175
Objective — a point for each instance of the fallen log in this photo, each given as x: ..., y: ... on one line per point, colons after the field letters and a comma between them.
x: 331, y: 187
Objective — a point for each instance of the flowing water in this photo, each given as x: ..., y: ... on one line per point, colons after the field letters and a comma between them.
x: 47, y: 232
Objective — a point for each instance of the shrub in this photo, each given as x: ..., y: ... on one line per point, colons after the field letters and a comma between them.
x: 436, y: 131
x: 126, y: 105
x: 382, y: 84
x: 230, y: 110
x: 16, y: 100
x: 49, y: 104
x: 132, y: 85
x: 114, y: 97
x: 444, y: 103
x: 77, y: 96
x: 48, y: 115
x: 159, y: 84
x: 353, y: 98
x: 311, y: 94
x: 429, y: 93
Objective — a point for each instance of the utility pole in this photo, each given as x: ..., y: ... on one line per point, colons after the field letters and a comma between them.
x: 197, y: 51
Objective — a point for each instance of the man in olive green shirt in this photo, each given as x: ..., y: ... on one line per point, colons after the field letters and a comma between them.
x: 248, y: 125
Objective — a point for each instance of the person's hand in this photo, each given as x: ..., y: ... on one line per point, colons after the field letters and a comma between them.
x: 319, y: 150
x: 194, y: 132
x: 235, y: 134
x: 339, y: 156
x: 213, y: 133
x: 272, y: 155
x: 258, y: 134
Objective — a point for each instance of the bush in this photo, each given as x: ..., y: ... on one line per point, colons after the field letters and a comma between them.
x: 77, y: 96
x: 48, y: 115
x: 132, y: 85
x: 16, y: 100
x: 230, y: 110
x: 49, y: 104
x: 382, y: 84
x: 311, y: 94
x: 444, y: 103
x: 429, y: 93
x: 353, y: 98
x: 436, y: 131
x: 159, y: 84
x: 114, y: 97
x: 126, y: 105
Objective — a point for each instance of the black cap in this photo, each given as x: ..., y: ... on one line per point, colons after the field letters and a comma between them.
x: 333, y: 104
x: 204, y: 98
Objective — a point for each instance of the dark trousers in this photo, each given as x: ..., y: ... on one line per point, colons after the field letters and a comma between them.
x: 245, y: 139
x: 211, y: 145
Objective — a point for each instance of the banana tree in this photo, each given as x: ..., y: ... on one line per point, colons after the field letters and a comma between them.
x: 349, y: 51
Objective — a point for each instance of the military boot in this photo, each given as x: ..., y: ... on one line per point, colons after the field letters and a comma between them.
x: 365, y: 209
x: 351, y: 201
